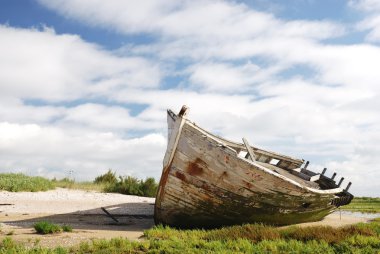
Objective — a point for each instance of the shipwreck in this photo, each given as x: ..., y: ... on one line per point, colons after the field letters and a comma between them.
x: 208, y: 181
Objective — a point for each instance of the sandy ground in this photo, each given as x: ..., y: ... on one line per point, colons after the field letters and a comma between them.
x: 77, y: 208
x: 82, y: 210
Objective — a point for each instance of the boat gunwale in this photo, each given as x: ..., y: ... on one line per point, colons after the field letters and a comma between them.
x: 217, y: 139
x: 229, y: 143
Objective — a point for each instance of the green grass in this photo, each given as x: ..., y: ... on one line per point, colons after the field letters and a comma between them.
x: 364, y: 205
x: 71, y: 184
x: 45, y: 227
x: 104, y: 183
x: 20, y: 182
x: 132, y: 186
x: 250, y: 238
x: 67, y: 228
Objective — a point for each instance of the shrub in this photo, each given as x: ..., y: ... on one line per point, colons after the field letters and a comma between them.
x: 126, y: 185
x: 20, y: 182
x: 67, y: 228
x: 149, y: 187
x: 132, y: 186
x: 109, y: 177
x: 45, y: 227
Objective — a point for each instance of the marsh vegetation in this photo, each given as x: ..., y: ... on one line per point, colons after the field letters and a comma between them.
x: 363, y: 205
x: 251, y: 238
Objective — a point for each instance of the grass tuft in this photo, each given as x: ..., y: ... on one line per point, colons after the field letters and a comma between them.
x: 45, y: 227
x: 67, y: 228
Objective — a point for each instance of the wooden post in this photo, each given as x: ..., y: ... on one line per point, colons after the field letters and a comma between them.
x: 340, y: 182
x: 183, y: 112
x: 323, y: 171
x: 333, y: 176
x: 307, y: 164
x: 249, y: 149
x: 348, y: 186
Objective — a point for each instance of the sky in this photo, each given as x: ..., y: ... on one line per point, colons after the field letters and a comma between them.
x: 85, y: 84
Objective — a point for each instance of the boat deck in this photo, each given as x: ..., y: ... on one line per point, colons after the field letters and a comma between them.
x: 289, y: 175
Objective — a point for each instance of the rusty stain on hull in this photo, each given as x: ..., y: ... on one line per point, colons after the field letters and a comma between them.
x: 208, y: 181
x: 180, y: 176
x: 196, y: 167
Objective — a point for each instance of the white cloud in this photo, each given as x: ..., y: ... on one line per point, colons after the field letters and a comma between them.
x: 43, y: 65
x: 111, y: 118
x: 223, y: 77
x: 365, y: 5
x: 39, y: 65
x: 371, y: 22
x: 31, y: 147
x: 14, y: 110
x: 204, y: 19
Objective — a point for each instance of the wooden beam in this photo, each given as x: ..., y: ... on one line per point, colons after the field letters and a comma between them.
x: 249, y: 149
x: 297, y: 169
x: 315, y: 178
x: 340, y: 182
x: 302, y: 175
x: 348, y: 186
x: 324, y: 171
x: 333, y: 176
x: 184, y: 111
x: 174, y: 137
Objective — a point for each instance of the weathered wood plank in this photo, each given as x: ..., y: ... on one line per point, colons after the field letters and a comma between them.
x: 175, y: 134
x: 315, y: 178
x: 249, y: 149
x: 294, y: 162
x: 340, y: 182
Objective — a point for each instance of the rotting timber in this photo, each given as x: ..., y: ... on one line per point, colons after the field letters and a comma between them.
x: 208, y: 181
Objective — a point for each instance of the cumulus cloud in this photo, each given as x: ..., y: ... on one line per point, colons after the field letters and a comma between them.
x: 31, y: 148
x: 202, y: 18
x: 223, y: 77
x: 371, y: 22
x: 41, y: 72
x: 365, y: 5
x: 39, y: 64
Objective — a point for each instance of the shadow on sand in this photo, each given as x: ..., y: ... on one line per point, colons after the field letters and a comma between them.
x: 130, y: 216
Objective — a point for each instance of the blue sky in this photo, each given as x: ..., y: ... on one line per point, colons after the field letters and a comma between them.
x: 84, y: 84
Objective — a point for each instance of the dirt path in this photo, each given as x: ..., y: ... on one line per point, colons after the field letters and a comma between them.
x: 82, y: 210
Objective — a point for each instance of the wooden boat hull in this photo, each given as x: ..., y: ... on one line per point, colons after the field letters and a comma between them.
x: 205, y: 184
